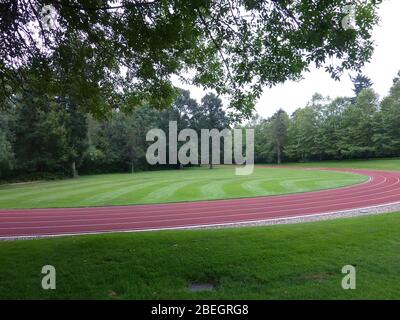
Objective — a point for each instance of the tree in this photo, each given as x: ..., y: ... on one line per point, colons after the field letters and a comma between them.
x: 6, y: 154
x: 124, y: 53
x: 119, y: 143
x: 327, y: 119
x: 397, y: 78
x: 279, y: 128
x: 387, y: 135
x: 76, y: 126
x: 7, y: 157
x: 209, y: 115
x: 180, y: 112
x: 359, y: 127
x: 360, y: 83
x: 263, y: 146
x: 302, y: 134
x: 40, y: 135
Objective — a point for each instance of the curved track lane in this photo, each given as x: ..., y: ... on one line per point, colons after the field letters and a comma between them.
x: 382, y: 188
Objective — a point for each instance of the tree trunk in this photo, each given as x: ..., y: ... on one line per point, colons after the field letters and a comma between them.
x: 278, y: 154
x: 211, y: 165
x: 74, y: 171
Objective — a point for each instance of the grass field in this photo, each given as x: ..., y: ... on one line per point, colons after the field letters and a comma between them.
x: 301, y: 261
x: 377, y: 164
x: 168, y: 186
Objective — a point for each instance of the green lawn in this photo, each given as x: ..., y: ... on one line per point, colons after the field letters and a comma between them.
x: 301, y: 261
x: 379, y: 164
x: 168, y: 186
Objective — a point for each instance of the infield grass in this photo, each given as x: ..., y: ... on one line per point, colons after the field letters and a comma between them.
x: 373, y: 164
x: 189, y: 184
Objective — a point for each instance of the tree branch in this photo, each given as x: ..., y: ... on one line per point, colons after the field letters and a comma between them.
x: 217, y: 46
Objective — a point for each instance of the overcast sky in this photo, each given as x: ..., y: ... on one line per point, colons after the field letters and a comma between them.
x: 382, y: 69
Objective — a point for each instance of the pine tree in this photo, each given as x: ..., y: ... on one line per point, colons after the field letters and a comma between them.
x: 360, y: 83
x: 397, y: 78
x: 279, y: 128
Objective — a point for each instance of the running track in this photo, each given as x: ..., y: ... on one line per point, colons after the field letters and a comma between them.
x: 382, y: 188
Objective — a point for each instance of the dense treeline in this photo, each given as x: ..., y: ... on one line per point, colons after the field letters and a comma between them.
x: 44, y: 138
x: 40, y: 138
x: 356, y: 127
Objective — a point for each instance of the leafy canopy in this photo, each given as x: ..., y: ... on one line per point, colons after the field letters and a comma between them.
x: 109, y: 54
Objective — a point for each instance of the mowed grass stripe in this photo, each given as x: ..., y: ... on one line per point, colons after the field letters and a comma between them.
x: 64, y: 186
x: 340, y: 183
x: 197, y: 190
x: 72, y: 197
x: 140, y: 195
x: 104, y: 188
x: 167, y: 191
x: 120, y: 192
x: 301, y: 185
x: 254, y: 186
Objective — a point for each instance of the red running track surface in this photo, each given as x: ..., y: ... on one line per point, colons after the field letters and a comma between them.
x: 382, y: 188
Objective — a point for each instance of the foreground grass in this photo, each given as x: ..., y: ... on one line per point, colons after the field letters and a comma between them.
x: 280, y: 262
x: 168, y: 186
x: 375, y: 164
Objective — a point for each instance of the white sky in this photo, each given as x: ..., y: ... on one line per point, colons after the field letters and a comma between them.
x: 382, y: 69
